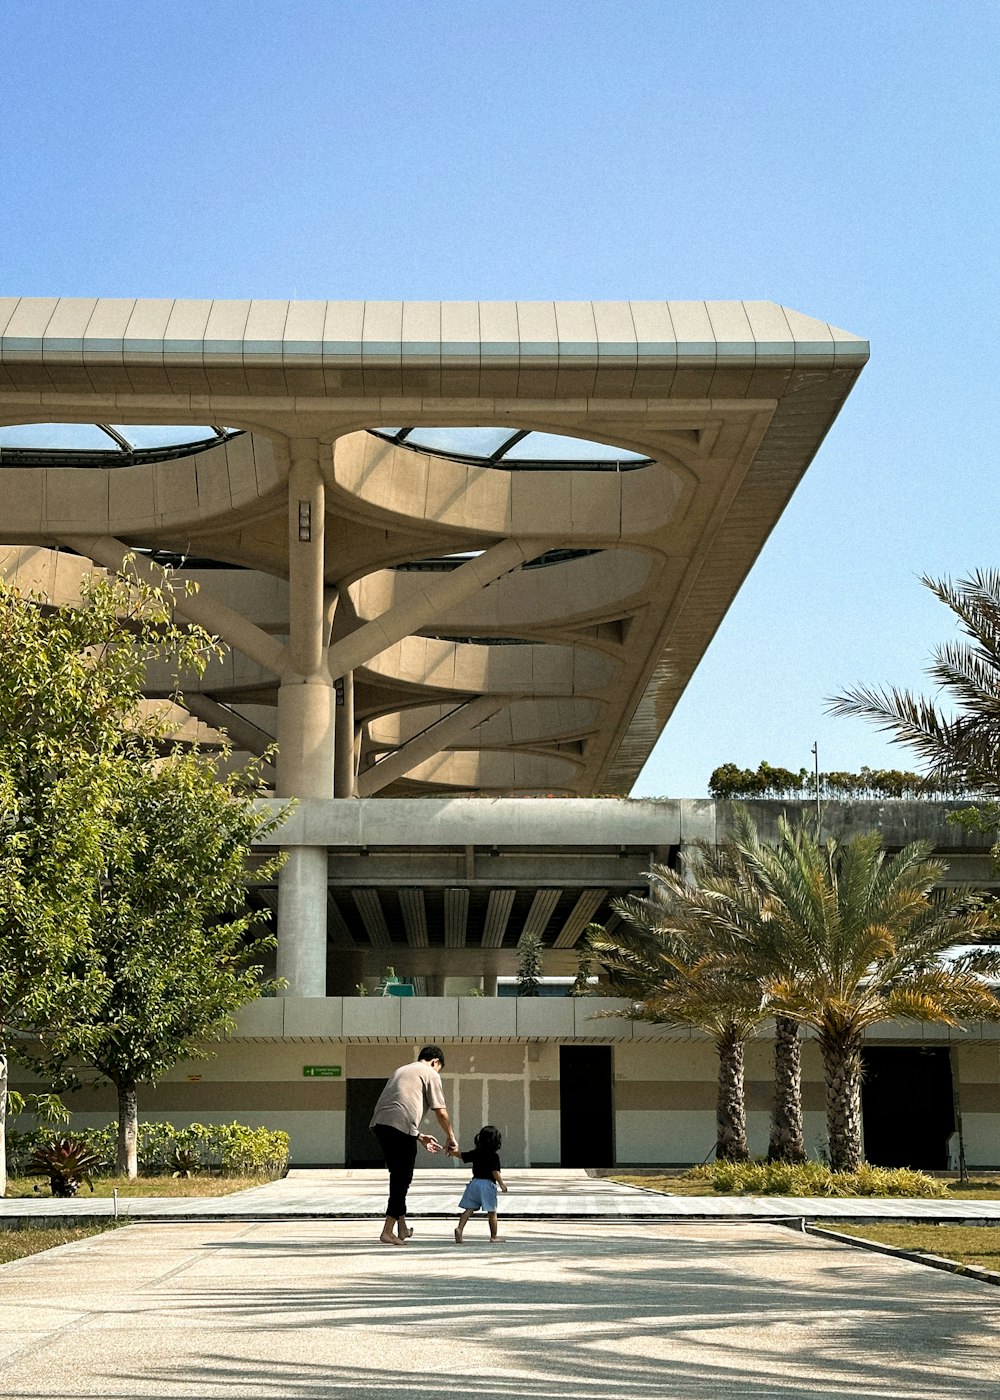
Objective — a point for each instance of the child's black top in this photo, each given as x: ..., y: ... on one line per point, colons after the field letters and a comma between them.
x: 484, y: 1162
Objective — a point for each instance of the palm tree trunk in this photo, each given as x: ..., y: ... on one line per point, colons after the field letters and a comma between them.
x: 841, y: 1050
x: 127, y: 1161
x: 731, y: 1115
x: 786, y: 1143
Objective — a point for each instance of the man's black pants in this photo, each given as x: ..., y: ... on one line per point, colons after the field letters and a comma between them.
x: 400, y: 1153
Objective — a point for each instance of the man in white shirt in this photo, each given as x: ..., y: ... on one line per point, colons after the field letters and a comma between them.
x: 410, y: 1093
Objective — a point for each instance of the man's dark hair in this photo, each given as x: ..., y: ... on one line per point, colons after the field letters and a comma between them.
x: 432, y: 1052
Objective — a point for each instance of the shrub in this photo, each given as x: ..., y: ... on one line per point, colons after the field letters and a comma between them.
x: 815, y: 1179
x: 66, y: 1162
x: 233, y: 1149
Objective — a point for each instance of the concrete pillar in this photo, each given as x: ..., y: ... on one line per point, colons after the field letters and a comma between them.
x: 302, y: 886
x: 435, y: 984
x: 489, y: 984
x: 306, y: 710
x: 345, y: 783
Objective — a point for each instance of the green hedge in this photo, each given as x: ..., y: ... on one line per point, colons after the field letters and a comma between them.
x: 232, y: 1149
x: 815, y: 1179
x: 868, y: 785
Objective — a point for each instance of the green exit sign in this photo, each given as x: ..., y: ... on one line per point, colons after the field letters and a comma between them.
x: 321, y: 1071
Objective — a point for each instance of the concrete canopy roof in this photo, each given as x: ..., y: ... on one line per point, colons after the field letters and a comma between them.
x: 729, y: 401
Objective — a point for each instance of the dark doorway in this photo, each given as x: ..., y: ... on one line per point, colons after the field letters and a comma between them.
x: 908, y: 1106
x: 586, y: 1106
x: 361, y: 1147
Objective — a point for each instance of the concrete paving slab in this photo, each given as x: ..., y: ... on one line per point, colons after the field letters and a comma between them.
x: 305, y: 1309
x: 539, y: 1194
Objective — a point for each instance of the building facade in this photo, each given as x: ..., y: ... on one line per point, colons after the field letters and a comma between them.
x: 462, y: 555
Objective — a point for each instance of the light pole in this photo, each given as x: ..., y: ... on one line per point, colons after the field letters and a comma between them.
x: 815, y: 753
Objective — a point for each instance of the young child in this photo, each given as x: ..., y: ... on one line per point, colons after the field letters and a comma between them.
x: 481, y: 1192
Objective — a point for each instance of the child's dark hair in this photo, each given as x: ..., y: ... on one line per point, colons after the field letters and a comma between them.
x: 489, y: 1138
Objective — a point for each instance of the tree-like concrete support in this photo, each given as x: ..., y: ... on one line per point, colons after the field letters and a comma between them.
x: 441, y: 592
x: 234, y: 629
x: 344, y: 781
x: 243, y: 733
x: 436, y: 737
x: 306, y: 723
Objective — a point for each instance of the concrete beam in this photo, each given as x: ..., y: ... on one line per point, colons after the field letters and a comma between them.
x: 432, y: 740
x: 337, y: 931
x: 394, y: 869
x: 440, y: 592
x: 504, y: 821
x: 373, y: 917
x: 498, y: 909
x: 414, y: 911
x: 242, y: 732
x: 583, y: 911
x: 542, y: 908
x: 456, y: 917
x: 235, y: 630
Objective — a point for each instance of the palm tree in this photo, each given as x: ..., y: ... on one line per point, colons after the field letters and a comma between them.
x: 652, y: 960
x: 862, y: 940
x: 963, y: 751
x: 688, y: 955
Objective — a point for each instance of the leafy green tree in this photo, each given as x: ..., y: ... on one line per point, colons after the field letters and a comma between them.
x: 70, y: 707
x: 177, y: 947
x: 861, y: 940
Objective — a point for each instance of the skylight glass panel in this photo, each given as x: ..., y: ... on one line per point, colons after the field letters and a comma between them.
x: 549, y: 447
x: 466, y: 442
x: 58, y: 437
x: 152, y: 435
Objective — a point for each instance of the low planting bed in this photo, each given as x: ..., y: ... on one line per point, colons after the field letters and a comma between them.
x: 809, y: 1179
x: 197, y: 1160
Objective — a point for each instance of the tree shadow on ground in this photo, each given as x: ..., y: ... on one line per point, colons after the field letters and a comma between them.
x: 675, y: 1315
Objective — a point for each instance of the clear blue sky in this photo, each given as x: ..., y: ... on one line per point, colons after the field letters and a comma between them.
x: 839, y: 158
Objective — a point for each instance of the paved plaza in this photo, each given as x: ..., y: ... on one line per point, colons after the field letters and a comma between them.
x: 596, y: 1290
x: 305, y: 1309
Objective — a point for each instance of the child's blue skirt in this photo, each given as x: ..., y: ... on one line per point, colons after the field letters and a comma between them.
x: 480, y: 1195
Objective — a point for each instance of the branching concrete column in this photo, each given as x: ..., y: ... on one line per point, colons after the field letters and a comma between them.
x: 306, y: 708
x: 451, y: 729
x: 345, y: 783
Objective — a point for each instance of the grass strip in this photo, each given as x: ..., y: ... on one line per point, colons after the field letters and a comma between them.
x: 37, y: 1188
x: 978, y: 1245
x: 17, y: 1244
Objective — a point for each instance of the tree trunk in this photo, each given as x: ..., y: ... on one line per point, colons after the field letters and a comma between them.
x: 127, y: 1161
x: 3, y: 1125
x: 731, y: 1115
x: 842, y: 1066
x: 786, y: 1143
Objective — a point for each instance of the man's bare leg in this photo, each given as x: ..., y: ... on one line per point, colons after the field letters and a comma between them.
x: 492, y: 1218
x: 463, y: 1220
x: 387, y: 1237
x: 402, y: 1229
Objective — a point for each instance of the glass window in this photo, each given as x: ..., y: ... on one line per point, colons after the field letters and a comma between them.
x: 151, y: 435
x: 548, y: 447
x: 467, y: 442
x: 58, y: 437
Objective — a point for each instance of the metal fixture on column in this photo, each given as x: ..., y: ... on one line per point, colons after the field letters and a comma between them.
x: 305, y: 728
